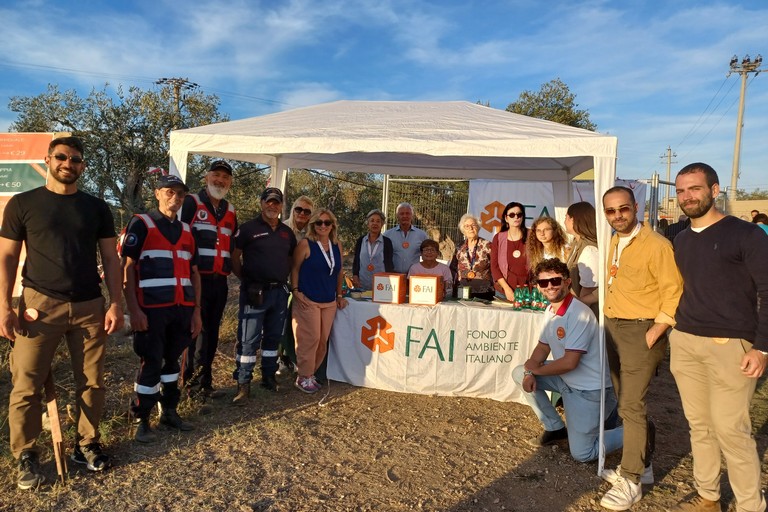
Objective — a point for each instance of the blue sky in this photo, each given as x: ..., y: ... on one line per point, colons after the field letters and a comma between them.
x: 651, y: 73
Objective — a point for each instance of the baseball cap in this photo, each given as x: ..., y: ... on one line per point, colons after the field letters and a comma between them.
x: 221, y: 164
x: 170, y: 181
x: 272, y: 193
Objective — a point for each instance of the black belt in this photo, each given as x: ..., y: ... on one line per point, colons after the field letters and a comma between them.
x: 636, y: 320
x: 270, y: 285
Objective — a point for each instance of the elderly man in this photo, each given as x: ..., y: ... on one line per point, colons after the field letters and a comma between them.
x: 213, y: 222
x: 262, y: 260
x: 719, y: 345
x: 644, y: 287
x: 406, y: 239
x: 62, y: 228
x: 162, y: 292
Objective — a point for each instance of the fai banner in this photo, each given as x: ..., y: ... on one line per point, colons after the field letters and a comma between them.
x: 487, y: 199
x: 450, y: 349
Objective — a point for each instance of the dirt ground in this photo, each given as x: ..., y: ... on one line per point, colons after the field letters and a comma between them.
x: 361, y: 450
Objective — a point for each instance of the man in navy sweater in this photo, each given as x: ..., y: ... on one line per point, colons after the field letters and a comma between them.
x: 719, y: 344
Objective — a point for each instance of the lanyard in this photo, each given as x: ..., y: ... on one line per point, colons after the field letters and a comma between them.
x: 330, y: 261
x: 471, y: 256
x: 372, y: 253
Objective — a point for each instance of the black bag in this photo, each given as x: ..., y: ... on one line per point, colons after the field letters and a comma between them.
x: 255, y: 293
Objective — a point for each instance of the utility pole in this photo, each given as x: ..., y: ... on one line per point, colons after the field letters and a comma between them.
x: 745, y: 68
x: 178, y: 85
x: 669, y: 155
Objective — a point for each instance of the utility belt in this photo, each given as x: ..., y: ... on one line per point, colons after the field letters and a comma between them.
x: 255, y: 290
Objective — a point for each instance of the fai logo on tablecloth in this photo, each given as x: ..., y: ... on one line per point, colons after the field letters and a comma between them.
x: 377, y: 333
x: 490, y: 218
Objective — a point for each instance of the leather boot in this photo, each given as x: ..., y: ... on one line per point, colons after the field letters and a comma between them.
x: 243, y: 394
x: 144, y: 433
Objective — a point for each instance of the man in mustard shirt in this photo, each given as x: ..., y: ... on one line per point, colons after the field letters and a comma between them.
x: 644, y: 287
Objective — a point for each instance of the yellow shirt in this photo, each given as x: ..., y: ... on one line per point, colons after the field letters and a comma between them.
x: 647, y: 283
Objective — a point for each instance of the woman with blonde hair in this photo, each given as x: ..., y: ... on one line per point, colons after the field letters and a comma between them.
x: 472, y: 261
x: 298, y: 220
x: 316, y: 279
x: 548, y: 241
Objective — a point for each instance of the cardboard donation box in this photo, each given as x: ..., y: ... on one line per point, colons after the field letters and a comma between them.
x: 389, y: 288
x: 425, y: 289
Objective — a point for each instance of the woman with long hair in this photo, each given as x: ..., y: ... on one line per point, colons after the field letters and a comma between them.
x: 316, y: 278
x: 298, y: 220
x: 583, y: 261
x: 472, y: 261
x: 548, y: 241
x: 509, y: 264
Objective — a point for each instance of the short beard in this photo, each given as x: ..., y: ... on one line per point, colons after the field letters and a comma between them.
x: 217, y: 193
x: 698, y: 210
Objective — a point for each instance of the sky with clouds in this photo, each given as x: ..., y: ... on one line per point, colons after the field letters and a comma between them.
x: 652, y: 73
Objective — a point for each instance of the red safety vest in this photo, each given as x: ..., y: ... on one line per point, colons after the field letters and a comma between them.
x: 164, y: 269
x: 213, y: 238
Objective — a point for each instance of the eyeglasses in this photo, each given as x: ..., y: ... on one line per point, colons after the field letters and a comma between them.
x: 544, y: 283
x: 513, y: 215
x: 170, y: 192
x: 471, y: 226
x: 621, y: 209
x: 61, y: 157
x: 299, y: 211
x: 326, y: 223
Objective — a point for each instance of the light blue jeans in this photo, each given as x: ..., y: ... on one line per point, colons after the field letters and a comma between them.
x: 582, y: 409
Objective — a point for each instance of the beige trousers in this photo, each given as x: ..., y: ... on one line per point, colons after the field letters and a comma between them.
x: 311, y: 324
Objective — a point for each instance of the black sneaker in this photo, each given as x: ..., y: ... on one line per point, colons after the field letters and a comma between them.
x: 171, y: 418
x: 30, y: 476
x: 269, y: 383
x: 549, y: 437
x: 92, y: 456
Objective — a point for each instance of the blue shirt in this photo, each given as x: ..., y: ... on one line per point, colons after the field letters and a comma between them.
x: 406, y: 246
x: 316, y: 280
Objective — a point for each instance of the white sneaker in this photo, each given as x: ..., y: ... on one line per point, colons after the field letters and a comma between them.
x: 622, y: 495
x: 611, y: 475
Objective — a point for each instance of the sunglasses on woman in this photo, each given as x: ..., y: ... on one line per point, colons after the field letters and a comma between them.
x: 319, y: 223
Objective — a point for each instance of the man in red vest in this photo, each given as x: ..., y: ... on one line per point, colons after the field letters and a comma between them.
x: 162, y: 291
x: 213, y: 222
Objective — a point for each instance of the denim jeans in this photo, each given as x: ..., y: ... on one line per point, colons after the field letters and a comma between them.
x: 582, y: 410
x: 260, y: 328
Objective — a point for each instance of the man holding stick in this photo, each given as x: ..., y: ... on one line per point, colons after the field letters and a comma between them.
x: 61, y: 227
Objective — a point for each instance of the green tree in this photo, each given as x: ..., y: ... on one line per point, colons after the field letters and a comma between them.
x: 124, y: 132
x: 757, y: 193
x: 553, y: 102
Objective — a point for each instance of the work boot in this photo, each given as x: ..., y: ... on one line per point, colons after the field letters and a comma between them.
x: 171, y: 418
x: 697, y: 504
x: 243, y: 394
x: 269, y: 383
x: 30, y: 476
x: 144, y: 433
x: 211, y: 392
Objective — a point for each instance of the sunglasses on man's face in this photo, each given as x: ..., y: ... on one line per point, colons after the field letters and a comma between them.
x: 555, y: 281
x: 624, y: 210
x: 326, y: 223
x: 299, y: 210
x: 61, y: 157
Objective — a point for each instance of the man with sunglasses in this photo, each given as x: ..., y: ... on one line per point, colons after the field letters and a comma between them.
x: 162, y: 291
x: 213, y: 221
x: 61, y: 228
x: 569, y: 333
x: 406, y: 239
x: 644, y: 287
x: 262, y: 260
x: 719, y: 345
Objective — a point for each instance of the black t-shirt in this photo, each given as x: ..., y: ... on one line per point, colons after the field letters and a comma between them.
x: 61, y: 233
x: 136, y: 234
x: 267, y: 253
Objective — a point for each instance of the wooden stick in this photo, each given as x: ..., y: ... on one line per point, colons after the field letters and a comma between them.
x: 58, y: 439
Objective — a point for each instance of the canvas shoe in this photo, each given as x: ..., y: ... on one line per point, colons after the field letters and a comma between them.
x: 622, y: 495
x: 92, y: 456
x: 611, y: 475
x: 307, y: 385
x: 30, y: 476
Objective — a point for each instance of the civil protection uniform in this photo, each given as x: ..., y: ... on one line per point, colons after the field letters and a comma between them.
x: 164, y: 251
x: 267, y: 255
x: 213, y: 230
x: 644, y: 288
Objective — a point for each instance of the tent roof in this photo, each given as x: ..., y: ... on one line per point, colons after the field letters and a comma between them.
x: 434, y: 139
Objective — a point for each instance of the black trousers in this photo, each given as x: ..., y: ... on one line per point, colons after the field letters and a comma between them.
x: 198, y: 358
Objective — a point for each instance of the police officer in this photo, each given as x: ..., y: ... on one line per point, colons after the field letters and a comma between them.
x: 162, y: 291
x: 262, y: 260
x: 213, y: 222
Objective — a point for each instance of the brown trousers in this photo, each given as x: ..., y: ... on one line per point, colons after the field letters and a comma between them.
x: 82, y: 325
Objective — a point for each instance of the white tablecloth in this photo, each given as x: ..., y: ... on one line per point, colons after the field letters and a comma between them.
x: 450, y: 349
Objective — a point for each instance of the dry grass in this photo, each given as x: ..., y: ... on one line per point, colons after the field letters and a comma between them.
x: 367, y: 450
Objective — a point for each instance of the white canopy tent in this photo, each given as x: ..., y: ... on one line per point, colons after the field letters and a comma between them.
x: 430, y: 139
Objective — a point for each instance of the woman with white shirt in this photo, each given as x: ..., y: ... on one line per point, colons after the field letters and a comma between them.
x: 584, y: 260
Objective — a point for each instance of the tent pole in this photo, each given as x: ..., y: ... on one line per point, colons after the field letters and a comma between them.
x: 385, y: 194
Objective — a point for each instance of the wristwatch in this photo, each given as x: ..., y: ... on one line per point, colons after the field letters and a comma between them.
x: 527, y: 372
x: 763, y: 352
